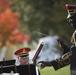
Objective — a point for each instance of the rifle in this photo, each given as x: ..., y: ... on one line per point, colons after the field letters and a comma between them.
x: 37, y: 52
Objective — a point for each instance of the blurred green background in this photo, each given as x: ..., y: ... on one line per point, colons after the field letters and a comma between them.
x: 46, y: 16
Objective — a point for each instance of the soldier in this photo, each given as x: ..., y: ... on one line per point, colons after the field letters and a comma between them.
x: 69, y: 56
x: 23, y: 57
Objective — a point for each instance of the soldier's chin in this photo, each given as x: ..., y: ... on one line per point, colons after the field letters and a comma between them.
x: 74, y: 26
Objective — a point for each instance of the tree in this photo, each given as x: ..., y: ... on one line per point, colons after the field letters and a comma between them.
x: 46, y: 16
x: 9, y: 25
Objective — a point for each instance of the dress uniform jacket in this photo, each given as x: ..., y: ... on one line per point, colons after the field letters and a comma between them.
x: 69, y: 57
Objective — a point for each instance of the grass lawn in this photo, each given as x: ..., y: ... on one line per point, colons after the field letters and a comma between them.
x: 51, y: 71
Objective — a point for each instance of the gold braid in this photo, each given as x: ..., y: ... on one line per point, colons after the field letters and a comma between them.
x: 73, y: 38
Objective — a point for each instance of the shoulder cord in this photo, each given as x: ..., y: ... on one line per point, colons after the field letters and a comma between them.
x: 73, y: 40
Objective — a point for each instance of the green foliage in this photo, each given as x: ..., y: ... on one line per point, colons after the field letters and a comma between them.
x: 46, y: 16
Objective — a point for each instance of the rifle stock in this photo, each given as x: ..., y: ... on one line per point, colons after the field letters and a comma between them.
x: 37, y: 52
